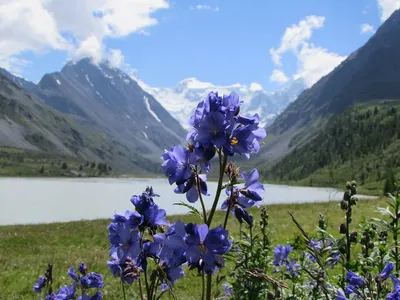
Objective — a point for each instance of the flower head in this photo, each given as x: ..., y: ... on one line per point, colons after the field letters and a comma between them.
x: 385, y: 272
x: 354, y: 279
x: 395, y: 294
x: 120, y: 236
x: 206, y: 247
x: 281, y: 253
x: 340, y: 296
x: 37, y: 288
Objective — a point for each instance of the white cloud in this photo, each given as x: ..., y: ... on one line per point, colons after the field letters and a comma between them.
x: 77, y: 26
x: 313, y: 62
x: 254, y: 86
x: 366, y: 28
x: 206, y: 7
x: 296, y: 35
x: 116, y: 58
x: 278, y: 76
x: 387, y: 7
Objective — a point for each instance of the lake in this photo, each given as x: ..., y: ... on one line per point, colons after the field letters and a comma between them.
x: 38, y: 200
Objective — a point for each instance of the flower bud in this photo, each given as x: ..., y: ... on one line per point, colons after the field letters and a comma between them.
x: 343, y: 205
x: 353, y: 237
x: 346, y: 196
x: 343, y: 229
x: 348, y: 185
x: 270, y: 295
x: 232, y: 170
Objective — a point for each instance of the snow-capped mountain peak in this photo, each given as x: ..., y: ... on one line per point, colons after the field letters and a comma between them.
x: 182, y: 100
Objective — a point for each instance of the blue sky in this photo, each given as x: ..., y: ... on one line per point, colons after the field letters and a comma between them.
x: 218, y: 41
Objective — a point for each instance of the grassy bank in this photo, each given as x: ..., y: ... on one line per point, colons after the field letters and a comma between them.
x: 26, y: 250
x: 26, y: 163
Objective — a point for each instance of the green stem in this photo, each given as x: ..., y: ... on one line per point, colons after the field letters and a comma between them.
x: 201, y: 197
x: 226, y: 217
x: 209, y: 281
x: 222, y: 164
x: 348, y: 244
x: 147, y: 285
x: 123, y: 290
x: 203, y: 285
x: 141, y: 289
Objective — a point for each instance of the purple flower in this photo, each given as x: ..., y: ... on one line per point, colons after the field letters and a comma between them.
x: 395, y: 294
x: 37, y: 288
x: 72, y: 274
x: 174, y: 244
x: 189, y: 187
x: 281, y: 254
x: 315, y: 244
x: 66, y: 292
x: 164, y: 287
x: 177, y: 162
x: 92, y: 280
x: 251, y: 193
x: 151, y: 214
x: 120, y: 236
x: 386, y: 271
x: 333, y: 259
x: 354, y: 279
x: 293, y: 268
x: 82, y: 268
x: 216, y: 122
x: 124, y: 267
x: 340, y: 296
x: 96, y: 296
x: 351, y: 289
x: 172, y: 271
x: 228, y: 290
x: 132, y: 218
x: 206, y: 247
x: 242, y: 215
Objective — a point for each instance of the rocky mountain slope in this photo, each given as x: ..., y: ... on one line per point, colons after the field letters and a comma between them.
x: 93, y: 112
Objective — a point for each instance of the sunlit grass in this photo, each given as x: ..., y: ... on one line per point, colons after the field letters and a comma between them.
x: 26, y: 250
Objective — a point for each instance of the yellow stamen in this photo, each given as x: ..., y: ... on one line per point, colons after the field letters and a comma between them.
x: 234, y: 141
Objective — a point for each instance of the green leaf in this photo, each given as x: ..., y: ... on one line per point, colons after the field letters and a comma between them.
x: 192, y: 209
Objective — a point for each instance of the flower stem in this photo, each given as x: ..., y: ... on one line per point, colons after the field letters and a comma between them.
x: 226, y: 217
x: 203, y: 285
x: 223, y: 159
x: 201, y: 197
x: 209, y: 281
x: 147, y: 285
x: 140, y: 289
x: 123, y: 290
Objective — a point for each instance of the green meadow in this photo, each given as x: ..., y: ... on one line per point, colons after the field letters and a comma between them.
x: 25, y: 250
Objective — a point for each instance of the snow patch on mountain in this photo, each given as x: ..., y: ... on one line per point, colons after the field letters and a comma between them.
x: 181, y: 101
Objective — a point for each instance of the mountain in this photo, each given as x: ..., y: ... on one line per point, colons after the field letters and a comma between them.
x: 26, y: 123
x: 363, y: 144
x: 182, y: 100
x: 371, y: 72
x: 107, y: 99
x: 22, y: 82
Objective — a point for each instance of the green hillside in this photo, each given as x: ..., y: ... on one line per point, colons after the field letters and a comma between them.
x: 363, y: 143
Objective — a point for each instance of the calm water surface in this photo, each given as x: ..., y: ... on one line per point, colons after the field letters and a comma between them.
x: 27, y: 200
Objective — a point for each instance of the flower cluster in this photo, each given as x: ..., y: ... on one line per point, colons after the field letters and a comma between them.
x: 193, y: 244
x: 356, y: 284
x: 217, y: 127
x: 281, y: 259
x: 84, y: 281
x: 246, y: 197
x: 217, y: 123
